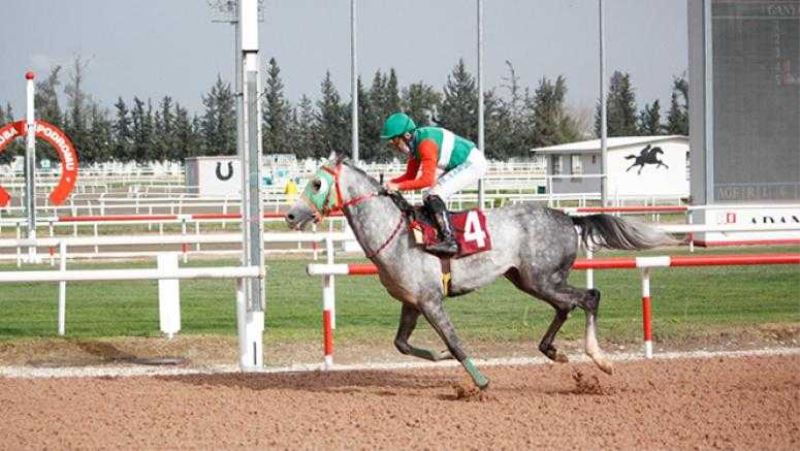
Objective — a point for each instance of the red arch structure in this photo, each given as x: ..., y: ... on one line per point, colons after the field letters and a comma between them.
x: 64, y: 148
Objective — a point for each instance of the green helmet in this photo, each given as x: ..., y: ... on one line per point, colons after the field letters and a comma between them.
x: 396, y: 125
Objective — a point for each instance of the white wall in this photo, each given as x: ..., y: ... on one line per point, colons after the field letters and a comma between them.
x: 211, y: 181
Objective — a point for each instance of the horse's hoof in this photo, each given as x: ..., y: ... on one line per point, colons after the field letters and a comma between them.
x: 560, y: 357
x: 605, y: 366
x: 485, y: 386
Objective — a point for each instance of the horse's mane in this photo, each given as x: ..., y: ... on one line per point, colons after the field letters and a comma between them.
x: 351, y: 165
x: 396, y: 196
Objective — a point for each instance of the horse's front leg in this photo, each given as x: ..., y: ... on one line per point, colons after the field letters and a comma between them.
x: 546, y: 345
x: 408, y: 322
x: 436, y: 316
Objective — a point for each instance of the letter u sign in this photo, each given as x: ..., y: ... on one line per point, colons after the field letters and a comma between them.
x: 63, y: 146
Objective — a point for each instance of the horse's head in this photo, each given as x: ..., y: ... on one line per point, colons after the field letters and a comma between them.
x: 320, y: 196
x: 326, y: 190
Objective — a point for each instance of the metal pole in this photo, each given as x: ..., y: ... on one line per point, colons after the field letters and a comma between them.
x: 603, y: 112
x: 481, y: 186
x: 354, y: 80
x: 249, y: 147
x: 708, y: 100
x: 30, y: 166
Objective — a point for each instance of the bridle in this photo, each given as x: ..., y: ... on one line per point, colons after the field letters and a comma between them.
x: 339, y: 204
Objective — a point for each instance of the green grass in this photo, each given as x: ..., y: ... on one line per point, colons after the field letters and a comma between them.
x: 685, y: 301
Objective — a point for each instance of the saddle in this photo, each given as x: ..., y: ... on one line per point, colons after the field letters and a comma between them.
x: 469, y: 227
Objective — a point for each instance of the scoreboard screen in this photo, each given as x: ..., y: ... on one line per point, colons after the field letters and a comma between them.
x: 756, y: 92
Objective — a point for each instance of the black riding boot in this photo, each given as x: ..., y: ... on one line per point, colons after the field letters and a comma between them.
x: 447, y: 245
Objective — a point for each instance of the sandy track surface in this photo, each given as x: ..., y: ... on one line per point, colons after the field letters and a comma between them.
x: 750, y: 402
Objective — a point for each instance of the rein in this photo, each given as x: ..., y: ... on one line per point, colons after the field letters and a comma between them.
x: 340, y: 206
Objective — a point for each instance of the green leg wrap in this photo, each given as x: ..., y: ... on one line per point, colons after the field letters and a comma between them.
x: 480, y: 380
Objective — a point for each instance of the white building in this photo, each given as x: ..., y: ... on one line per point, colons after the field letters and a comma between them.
x: 643, y: 166
x: 214, y: 176
x: 221, y: 175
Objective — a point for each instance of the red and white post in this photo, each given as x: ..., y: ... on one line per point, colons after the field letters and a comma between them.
x: 328, y: 302
x: 647, y: 314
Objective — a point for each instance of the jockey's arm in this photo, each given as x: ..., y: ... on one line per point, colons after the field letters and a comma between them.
x: 411, y: 171
x: 428, y: 154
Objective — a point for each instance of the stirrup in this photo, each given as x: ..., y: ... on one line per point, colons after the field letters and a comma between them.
x: 444, y: 247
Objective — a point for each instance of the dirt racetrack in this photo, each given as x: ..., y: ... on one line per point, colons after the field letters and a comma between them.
x: 698, y: 403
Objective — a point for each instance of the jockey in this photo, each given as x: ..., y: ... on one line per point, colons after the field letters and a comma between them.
x: 448, y: 163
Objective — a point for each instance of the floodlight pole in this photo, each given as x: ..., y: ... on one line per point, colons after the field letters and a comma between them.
x: 251, y: 299
x: 354, y: 80
x: 603, y: 112
x: 481, y: 187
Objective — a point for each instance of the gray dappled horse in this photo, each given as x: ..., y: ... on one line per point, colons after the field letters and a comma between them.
x: 534, y: 247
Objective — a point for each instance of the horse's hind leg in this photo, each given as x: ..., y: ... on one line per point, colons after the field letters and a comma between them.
x: 591, y: 304
x: 408, y: 322
x: 564, y: 298
x: 437, y: 317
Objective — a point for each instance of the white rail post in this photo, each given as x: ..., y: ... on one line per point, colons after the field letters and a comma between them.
x: 647, y: 314
x: 590, y: 271
x: 184, y: 246
x: 19, y: 248
x: 169, y: 296
x: 62, y: 289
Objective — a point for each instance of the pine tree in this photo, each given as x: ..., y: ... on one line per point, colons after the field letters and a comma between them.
x: 332, y: 121
x: 552, y: 124
x: 678, y: 115
x: 76, y: 121
x: 369, y: 125
x: 515, y: 134
x: 100, y: 137
x: 187, y: 142
x: 460, y: 105
x: 141, y: 130
x: 46, y: 98
x: 276, y: 113
x: 650, y: 119
x: 621, y: 105
x: 304, y: 129
x: 122, y: 133
x: 422, y: 103
x: 499, y: 139
x: 218, y: 124
x: 164, y: 130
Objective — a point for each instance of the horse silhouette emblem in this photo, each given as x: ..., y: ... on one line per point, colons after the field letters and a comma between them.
x: 648, y: 155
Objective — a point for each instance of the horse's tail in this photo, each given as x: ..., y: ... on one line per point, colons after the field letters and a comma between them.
x: 614, y: 233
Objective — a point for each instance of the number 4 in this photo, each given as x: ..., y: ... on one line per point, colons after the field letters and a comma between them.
x: 473, y: 231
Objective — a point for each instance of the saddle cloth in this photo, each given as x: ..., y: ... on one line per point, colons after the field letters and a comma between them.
x: 469, y: 228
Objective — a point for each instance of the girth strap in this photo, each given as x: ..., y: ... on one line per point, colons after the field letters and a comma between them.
x: 444, y: 262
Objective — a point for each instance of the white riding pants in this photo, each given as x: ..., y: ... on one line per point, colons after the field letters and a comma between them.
x: 461, y: 176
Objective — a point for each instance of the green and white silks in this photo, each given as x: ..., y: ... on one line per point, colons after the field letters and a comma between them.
x: 460, y: 163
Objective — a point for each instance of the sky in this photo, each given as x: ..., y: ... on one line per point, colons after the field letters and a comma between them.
x: 153, y: 48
